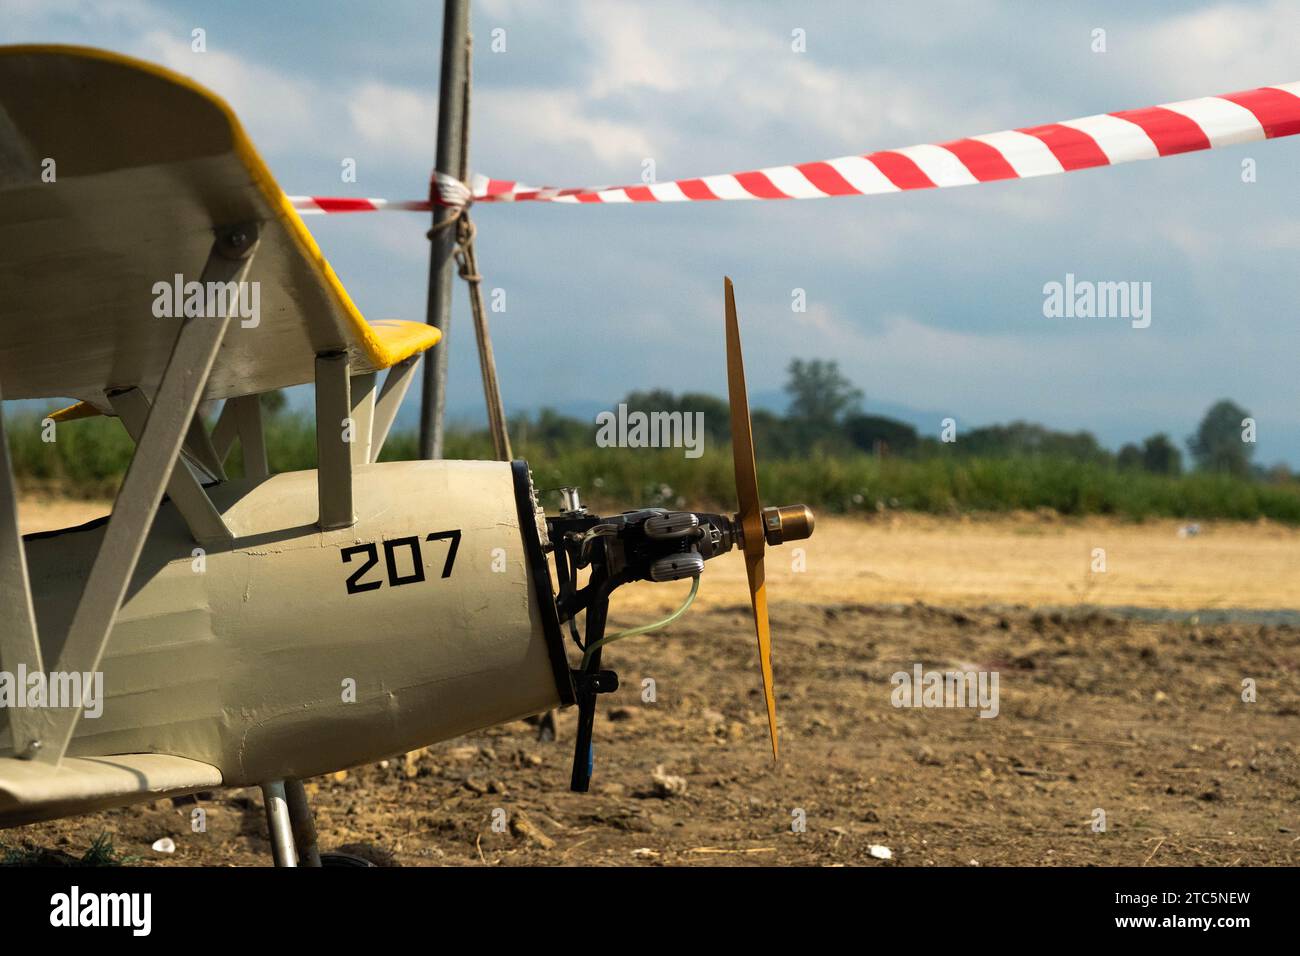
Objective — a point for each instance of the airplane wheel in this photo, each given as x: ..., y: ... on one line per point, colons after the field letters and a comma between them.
x: 344, y: 859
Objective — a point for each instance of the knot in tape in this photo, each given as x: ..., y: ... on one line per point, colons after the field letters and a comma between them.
x: 449, y: 191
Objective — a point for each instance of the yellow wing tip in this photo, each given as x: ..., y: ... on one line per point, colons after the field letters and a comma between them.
x: 74, y: 412
x: 390, y: 341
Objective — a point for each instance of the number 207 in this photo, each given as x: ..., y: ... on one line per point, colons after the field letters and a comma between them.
x: 391, y: 547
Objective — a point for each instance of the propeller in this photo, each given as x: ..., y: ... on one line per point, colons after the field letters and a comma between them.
x: 758, y: 526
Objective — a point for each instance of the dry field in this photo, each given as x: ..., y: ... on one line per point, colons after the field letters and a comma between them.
x: 1136, y: 714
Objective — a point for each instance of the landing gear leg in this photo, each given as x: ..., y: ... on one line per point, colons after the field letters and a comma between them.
x: 545, y: 724
x: 279, y: 824
x: 304, y: 827
x: 589, y: 682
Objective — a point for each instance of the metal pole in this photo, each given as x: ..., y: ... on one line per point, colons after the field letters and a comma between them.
x: 304, y: 827
x: 468, y: 261
x: 442, y: 242
x: 279, y: 824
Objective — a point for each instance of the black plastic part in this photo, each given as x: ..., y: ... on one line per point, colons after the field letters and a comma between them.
x: 621, y: 553
x: 584, y: 755
x: 590, y: 683
x: 540, y: 572
x: 564, y: 578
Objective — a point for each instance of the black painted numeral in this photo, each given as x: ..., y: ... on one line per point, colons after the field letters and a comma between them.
x: 372, y: 553
x: 395, y: 578
x: 413, y: 544
x: 451, y: 552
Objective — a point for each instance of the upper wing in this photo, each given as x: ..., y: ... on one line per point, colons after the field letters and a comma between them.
x: 113, y: 175
x: 32, y: 791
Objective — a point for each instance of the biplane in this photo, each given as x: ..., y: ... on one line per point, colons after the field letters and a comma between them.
x: 260, y: 629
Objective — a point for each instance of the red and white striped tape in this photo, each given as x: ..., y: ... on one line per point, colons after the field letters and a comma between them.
x: 314, y: 205
x: 1102, y: 140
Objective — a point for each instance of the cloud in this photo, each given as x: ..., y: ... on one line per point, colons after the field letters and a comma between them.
x: 925, y: 298
x: 701, y: 88
x: 397, y: 120
x: 98, y: 14
x: 280, y: 111
x: 1222, y: 48
x: 625, y: 56
x: 559, y: 121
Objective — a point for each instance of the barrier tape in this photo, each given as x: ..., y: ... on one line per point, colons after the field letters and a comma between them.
x: 1103, y: 140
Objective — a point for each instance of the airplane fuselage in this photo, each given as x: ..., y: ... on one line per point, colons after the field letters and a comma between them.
x: 293, y: 651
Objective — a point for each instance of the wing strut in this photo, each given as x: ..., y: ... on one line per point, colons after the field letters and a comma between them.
x: 225, y: 431
x: 187, y: 494
x: 252, y: 437
x: 362, y: 400
x: 241, y: 418
x: 199, y: 447
x: 334, y: 433
x: 18, y: 639
x: 151, y: 467
x: 396, y: 382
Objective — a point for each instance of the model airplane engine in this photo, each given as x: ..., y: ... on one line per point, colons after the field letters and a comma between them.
x: 651, y: 544
x: 654, y: 544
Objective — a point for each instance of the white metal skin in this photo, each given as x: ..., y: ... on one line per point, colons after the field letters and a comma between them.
x: 256, y: 659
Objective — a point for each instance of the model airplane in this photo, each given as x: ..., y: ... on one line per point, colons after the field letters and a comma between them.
x: 259, y: 630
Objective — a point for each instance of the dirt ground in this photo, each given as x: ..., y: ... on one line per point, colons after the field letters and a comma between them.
x: 1039, y: 560
x: 1137, y: 717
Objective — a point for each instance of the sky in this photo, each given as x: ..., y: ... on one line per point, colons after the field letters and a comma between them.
x: 931, y: 302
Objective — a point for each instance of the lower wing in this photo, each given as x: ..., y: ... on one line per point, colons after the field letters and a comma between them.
x: 32, y: 791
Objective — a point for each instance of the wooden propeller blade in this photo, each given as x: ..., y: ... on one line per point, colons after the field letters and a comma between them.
x: 750, y: 513
x: 742, y: 438
x: 758, y: 599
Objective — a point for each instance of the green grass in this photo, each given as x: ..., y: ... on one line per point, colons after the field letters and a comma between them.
x: 86, y: 458
x: 89, y: 456
x: 100, y: 853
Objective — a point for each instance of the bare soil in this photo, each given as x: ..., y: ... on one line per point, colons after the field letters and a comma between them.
x: 1141, y: 720
x: 47, y: 512
x: 1032, y: 559
x: 1137, y: 716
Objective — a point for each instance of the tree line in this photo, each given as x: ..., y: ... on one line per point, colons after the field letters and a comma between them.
x: 825, y: 416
